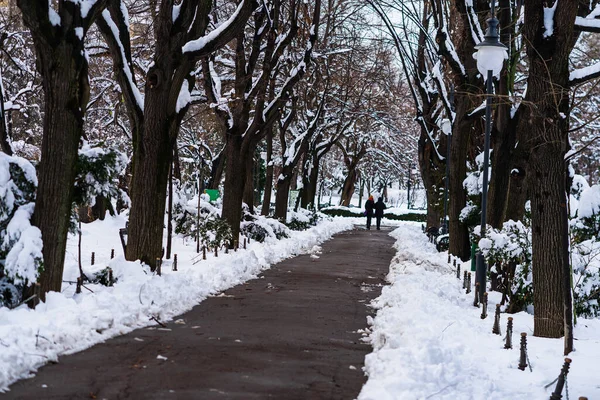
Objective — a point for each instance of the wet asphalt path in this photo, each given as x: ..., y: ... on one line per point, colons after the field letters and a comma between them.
x: 291, y: 334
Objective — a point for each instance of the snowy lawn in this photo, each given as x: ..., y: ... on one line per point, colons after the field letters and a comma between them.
x: 70, y: 322
x: 430, y: 342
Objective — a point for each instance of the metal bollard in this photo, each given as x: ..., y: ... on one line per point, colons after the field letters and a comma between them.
x: 216, y: 251
x: 458, y: 272
x: 79, y: 283
x: 523, y: 356
x: 158, y: 266
x: 112, y: 253
x: 454, y: 263
x: 204, y: 252
x: 476, y: 300
x: 465, y: 276
x: 468, y: 283
x: 496, y: 327
x: 557, y: 394
x: 449, y: 258
x: 244, y: 243
x: 175, y: 262
x: 484, y: 302
x: 93, y: 258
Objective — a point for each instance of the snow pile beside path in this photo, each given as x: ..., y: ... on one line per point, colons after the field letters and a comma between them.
x: 430, y: 342
x: 70, y: 322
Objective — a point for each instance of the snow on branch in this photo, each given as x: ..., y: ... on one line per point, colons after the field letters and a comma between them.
x: 587, y: 24
x: 111, y: 33
x: 585, y: 74
x: 220, y: 36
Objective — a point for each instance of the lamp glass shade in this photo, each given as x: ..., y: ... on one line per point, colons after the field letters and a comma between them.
x: 490, y: 58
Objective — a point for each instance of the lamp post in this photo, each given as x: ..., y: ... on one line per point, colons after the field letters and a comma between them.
x: 490, y: 55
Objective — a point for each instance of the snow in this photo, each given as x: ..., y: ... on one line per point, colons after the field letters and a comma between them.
x: 79, y: 32
x: 53, y: 16
x: 69, y: 322
x: 126, y: 68
x: 549, y: 19
x: 589, y: 202
x: 176, y: 11
x: 184, y: 97
x: 200, y: 43
x: 430, y: 342
x: 581, y: 73
x: 25, y: 243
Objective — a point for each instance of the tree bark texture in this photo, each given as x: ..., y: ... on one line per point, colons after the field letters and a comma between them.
x: 152, y: 159
x: 310, y: 179
x: 249, y: 182
x: 349, y: 186
x: 234, y: 182
x: 64, y: 69
x: 548, y: 95
x: 266, y: 205
x: 282, y: 197
x: 432, y: 174
x: 216, y: 171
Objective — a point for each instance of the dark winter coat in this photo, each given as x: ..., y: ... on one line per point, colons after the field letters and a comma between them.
x: 369, y: 206
x: 379, y: 207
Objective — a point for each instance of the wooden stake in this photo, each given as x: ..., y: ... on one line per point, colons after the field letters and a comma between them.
x: 523, y: 355
x: 509, y: 329
x: 484, y: 302
x: 496, y: 327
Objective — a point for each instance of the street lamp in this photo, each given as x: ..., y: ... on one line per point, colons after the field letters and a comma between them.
x: 490, y: 56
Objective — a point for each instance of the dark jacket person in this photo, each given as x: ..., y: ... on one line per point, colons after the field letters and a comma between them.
x: 369, y: 207
x: 379, y: 207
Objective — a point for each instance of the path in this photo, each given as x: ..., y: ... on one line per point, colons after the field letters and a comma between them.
x: 291, y: 334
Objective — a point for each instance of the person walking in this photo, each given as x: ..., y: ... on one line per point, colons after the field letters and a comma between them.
x: 379, y: 207
x: 369, y: 206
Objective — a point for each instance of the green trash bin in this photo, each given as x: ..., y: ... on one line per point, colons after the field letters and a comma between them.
x: 473, y: 256
x: 212, y: 193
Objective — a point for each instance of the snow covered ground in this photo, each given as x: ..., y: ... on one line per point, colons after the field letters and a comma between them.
x: 70, y: 322
x: 430, y: 342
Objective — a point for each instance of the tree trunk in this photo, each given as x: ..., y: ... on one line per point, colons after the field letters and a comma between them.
x: 249, y: 182
x: 348, y: 188
x: 66, y: 90
x: 235, y: 175
x: 100, y: 207
x: 547, y: 109
x: 459, y: 234
x: 216, y: 171
x: 432, y: 176
x: 152, y: 158
x: 310, y: 179
x: 4, y: 137
x: 282, y: 197
x: 266, y: 205
x: 170, y: 213
x: 548, y: 203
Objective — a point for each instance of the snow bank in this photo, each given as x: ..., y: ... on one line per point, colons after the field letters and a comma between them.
x: 430, y: 342
x: 70, y: 322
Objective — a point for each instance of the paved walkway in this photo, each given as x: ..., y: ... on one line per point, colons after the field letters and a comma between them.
x: 291, y: 334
